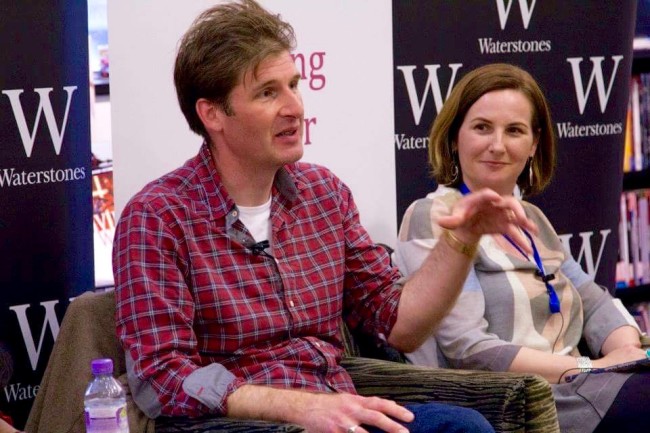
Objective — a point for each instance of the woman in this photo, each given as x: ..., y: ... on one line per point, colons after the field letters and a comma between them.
x: 495, y: 131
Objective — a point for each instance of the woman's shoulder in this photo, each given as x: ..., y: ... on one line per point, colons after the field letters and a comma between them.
x: 420, y: 217
x: 535, y: 213
x: 442, y: 198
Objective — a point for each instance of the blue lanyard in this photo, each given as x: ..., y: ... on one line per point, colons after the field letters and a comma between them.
x: 553, y: 301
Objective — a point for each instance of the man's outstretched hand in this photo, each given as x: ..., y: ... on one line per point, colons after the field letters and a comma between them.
x: 486, y: 212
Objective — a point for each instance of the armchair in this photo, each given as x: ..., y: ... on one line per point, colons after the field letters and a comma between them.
x: 511, y: 402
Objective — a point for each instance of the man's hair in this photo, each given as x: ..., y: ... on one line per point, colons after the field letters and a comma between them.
x: 443, y: 136
x: 222, y: 44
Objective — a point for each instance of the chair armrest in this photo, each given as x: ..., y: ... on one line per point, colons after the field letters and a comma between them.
x: 511, y: 402
x: 87, y: 332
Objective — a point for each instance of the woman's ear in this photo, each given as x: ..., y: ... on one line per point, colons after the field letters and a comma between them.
x: 536, y: 137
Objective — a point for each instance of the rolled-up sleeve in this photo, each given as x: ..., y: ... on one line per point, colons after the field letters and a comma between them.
x: 154, y: 318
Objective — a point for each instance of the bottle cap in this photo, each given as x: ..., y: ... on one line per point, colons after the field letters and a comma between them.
x: 102, y: 366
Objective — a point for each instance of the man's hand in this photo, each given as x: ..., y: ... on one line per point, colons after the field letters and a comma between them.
x: 317, y: 412
x: 486, y: 212
x: 338, y: 412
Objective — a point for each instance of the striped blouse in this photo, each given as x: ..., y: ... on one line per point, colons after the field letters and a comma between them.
x: 504, y: 306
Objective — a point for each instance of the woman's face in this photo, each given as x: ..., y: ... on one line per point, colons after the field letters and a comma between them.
x: 495, y: 140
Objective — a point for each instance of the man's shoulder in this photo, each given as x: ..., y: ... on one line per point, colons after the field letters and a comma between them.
x: 172, y: 186
x: 309, y: 170
x: 309, y: 174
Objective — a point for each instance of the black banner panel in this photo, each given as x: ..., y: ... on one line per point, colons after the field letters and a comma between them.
x: 46, y: 243
x: 579, y: 52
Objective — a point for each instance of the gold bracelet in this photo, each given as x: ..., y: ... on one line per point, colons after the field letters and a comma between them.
x: 458, y: 245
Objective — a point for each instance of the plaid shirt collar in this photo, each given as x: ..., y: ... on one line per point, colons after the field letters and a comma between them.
x: 286, y: 187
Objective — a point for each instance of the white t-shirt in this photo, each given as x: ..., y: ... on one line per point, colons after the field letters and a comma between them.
x: 257, y: 220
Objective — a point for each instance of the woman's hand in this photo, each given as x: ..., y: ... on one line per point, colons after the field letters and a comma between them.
x: 619, y: 356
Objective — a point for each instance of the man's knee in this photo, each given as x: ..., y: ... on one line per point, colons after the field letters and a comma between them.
x: 437, y: 417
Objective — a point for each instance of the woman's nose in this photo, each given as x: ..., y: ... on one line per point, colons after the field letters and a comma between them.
x: 496, y: 142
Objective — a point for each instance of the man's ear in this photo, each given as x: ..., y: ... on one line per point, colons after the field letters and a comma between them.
x: 209, y: 113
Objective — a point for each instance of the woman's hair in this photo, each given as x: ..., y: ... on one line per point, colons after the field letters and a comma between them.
x: 224, y: 43
x: 443, y: 137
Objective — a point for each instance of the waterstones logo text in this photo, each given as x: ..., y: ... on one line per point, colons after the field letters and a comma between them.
x: 49, y: 330
x: 491, y: 46
x: 10, y: 177
x: 570, y: 130
x: 402, y: 142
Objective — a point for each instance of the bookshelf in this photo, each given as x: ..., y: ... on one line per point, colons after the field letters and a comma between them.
x: 633, y: 295
x: 637, y: 180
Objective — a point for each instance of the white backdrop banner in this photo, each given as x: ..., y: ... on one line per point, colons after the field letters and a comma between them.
x: 346, y: 61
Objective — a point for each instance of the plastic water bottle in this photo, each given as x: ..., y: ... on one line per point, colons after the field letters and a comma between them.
x: 105, y: 401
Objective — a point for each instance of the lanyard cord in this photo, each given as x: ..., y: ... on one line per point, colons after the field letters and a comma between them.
x: 553, y: 301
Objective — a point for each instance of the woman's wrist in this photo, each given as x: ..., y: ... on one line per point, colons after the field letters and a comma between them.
x: 584, y: 364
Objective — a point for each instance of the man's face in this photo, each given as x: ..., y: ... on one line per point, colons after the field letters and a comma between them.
x: 264, y: 130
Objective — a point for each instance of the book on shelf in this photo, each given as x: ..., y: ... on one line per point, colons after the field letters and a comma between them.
x: 633, y: 267
x: 637, y: 128
x: 639, y: 311
x: 623, y: 271
x: 644, y: 245
x: 628, y: 152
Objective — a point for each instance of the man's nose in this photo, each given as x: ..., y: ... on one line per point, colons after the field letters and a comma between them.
x: 292, y: 104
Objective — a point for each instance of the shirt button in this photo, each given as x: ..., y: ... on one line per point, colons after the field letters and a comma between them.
x: 234, y: 213
x: 317, y: 344
x: 291, y: 304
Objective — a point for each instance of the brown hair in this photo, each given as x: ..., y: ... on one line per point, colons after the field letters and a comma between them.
x: 497, y: 76
x: 222, y: 44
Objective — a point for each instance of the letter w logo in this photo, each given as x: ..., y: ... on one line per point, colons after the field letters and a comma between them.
x: 586, y: 253
x: 50, y: 318
x: 504, y: 11
x: 596, y: 74
x: 44, y: 106
x: 417, y: 105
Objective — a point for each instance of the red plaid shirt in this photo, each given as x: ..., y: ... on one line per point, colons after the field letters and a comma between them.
x: 190, y: 293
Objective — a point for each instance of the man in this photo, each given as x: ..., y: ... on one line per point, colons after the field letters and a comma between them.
x: 234, y: 271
